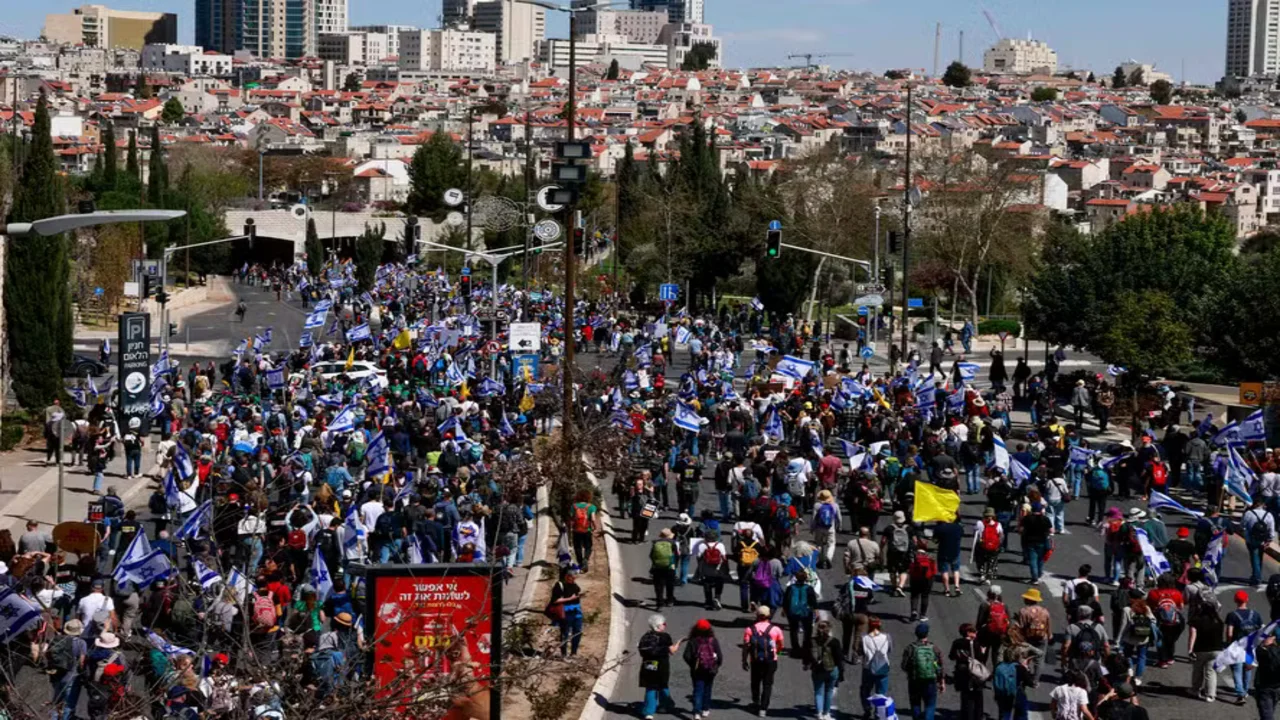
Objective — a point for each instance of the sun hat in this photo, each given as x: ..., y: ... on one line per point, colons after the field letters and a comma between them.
x: 1032, y: 595
x: 107, y: 641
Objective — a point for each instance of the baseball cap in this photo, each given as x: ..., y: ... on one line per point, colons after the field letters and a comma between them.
x: 1242, y: 596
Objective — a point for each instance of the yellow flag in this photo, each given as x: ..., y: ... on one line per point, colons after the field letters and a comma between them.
x: 463, y: 392
x: 402, y: 341
x: 880, y: 398
x: 351, y: 360
x: 933, y: 504
x: 526, y: 403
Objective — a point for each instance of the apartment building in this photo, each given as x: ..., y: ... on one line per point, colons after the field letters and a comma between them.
x: 103, y: 27
x: 448, y: 51
x: 518, y: 28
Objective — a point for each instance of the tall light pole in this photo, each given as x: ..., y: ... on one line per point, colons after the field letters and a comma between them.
x: 906, y: 231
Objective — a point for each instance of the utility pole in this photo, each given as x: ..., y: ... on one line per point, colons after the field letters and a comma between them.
x: 906, y: 231
x: 566, y: 373
x: 875, y: 275
x: 528, y: 191
x: 470, y: 200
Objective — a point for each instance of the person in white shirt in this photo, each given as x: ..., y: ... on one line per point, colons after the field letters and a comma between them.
x: 754, y: 527
x: 713, y: 567
x: 1070, y: 700
x: 97, y: 602
x: 371, y: 511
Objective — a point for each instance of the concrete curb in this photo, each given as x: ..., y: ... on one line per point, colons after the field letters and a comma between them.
x: 602, y: 692
x: 542, y: 531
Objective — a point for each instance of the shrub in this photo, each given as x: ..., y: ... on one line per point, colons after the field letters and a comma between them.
x: 993, y: 327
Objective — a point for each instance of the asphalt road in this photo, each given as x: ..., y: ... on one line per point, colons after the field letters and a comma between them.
x: 1164, y: 691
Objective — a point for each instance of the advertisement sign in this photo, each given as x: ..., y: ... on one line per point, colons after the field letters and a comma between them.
x: 526, y: 337
x: 134, y: 374
x: 430, y: 621
x: 78, y: 537
x: 525, y: 366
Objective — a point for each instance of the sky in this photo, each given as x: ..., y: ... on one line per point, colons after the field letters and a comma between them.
x: 867, y: 34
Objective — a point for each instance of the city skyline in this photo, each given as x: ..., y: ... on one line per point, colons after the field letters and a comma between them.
x: 1087, y: 34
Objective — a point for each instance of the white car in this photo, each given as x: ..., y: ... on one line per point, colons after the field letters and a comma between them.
x: 360, y: 369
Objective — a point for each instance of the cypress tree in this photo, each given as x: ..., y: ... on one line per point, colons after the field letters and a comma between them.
x: 157, y: 180
x: 111, y: 158
x: 314, y: 249
x: 131, y: 161
x: 37, y: 272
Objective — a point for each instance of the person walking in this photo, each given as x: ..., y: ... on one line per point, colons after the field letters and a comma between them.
x: 1036, y: 628
x: 1010, y: 680
x: 799, y: 601
x: 920, y: 576
x: 585, y: 521
x: 656, y: 648
x: 713, y: 568
x: 1259, y: 529
x: 1204, y: 643
x: 1267, y: 691
x: 825, y: 659
x: 1036, y: 538
x: 1242, y: 622
x: 704, y: 658
x: 662, y: 568
x: 566, y: 609
x: 1139, y: 631
x: 826, y: 522
x: 761, y: 644
x: 1080, y: 401
x: 875, y: 650
x: 969, y: 672
x: 922, y: 662
x: 988, y: 536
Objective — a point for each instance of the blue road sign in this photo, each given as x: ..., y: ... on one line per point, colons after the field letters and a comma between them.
x: 520, y: 362
x: 862, y: 310
x: 867, y: 353
x: 775, y: 224
x: 668, y: 292
x: 466, y: 270
x: 915, y: 302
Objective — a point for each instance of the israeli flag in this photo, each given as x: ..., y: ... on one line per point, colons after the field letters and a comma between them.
x: 1020, y: 473
x: 17, y: 614
x: 1116, y: 370
x: 139, y: 548
x: 165, y: 646
x: 240, y: 585
x: 682, y: 335
x: 1243, y: 649
x: 207, y: 576
x: 955, y: 401
x: 921, y: 383
x: 353, y: 529
x: 1111, y: 462
x: 839, y: 401
x: 106, y: 345
x: 1228, y: 434
x: 489, y: 386
x: 1160, y: 502
x: 852, y: 387
x: 618, y: 418
x: 687, y: 418
x: 884, y: 707
x: 241, y: 348
x: 426, y: 399
x: 333, y: 399
x: 773, y: 428
x: 172, y: 495
x: 359, y: 332
x: 143, y: 573
x: 630, y: 380
x: 1080, y: 456
x: 415, y: 550
x: 315, y: 319
x: 794, y: 367
x: 196, y: 522
x: 324, y: 306
x: 333, y: 327
x: 849, y: 448
x: 157, y: 406
x: 505, y: 429
x: 275, y: 378
x: 104, y: 388
x: 161, y: 366
x: 1216, y: 550
x: 454, y: 374
x: 1254, y: 427
x: 320, y: 579
x: 644, y: 355
x: 182, y: 461
x: 1239, y: 477
x: 968, y: 371
x: 815, y: 443
x: 379, y: 455
x: 857, y: 460
x: 1155, y: 559
x: 304, y: 340
x: 1000, y: 458
x: 756, y: 304
x: 344, y: 421
x: 79, y: 396
x: 866, y: 583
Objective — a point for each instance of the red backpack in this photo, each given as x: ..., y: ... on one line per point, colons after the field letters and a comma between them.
x: 264, y: 612
x: 990, y: 535
x: 1158, y: 475
x: 297, y: 539
x: 998, y: 619
x: 581, y: 519
x: 922, y: 567
x: 712, y: 556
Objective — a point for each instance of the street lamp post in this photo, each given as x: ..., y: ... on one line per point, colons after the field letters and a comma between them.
x: 906, y: 232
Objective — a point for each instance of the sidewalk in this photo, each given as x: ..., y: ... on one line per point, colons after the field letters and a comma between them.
x: 189, y: 303
x: 30, y: 488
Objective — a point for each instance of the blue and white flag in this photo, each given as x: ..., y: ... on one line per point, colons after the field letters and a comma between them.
x: 319, y: 574
x: 1254, y: 427
x: 454, y: 374
x: 160, y: 366
x: 17, y: 614
x: 773, y: 428
x: 333, y: 327
x: 1242, y: 650
x: 955, y: 401
x: 839, y: 400
x: 304, y: 340
x: 324, y: 305
x: 1020, y: 473
x: 172, y: 495
x: 853, y: 388
x: 196, y: 522
x: 727, y: 392
x: 415, y: 550
x: 139, y: 548
x: 756, y: 304
x: 489, y: 386
x: 1160, y: 502
x: 643, y: 355
x: 815, y: 443
x: 1239, y: 476
x: 1116, y: 370
x: 275, y: 378
x: 849, y: 448
x: 682, y: 335
x: 1215, y: 551
x: 866, y: 583
x: 1081, y: 456
x: 182, y: 461
x: 1155, y: 559
x: 333, y: 399
x: 884, y: 707
x: 450, y: 424
x: 1000, y: 456
x: 104, y: 388
x: 359, y: 332
x: 205, y: 575
x: 968, y: 371
x: 165, y: 646
x: 687, y: 418
x: 79, y: 395
x: 1111, y: 461
x: 142, y: 573
x: 106, y: 345
x: 426, y: 399
x: 379, y: 456
x: 315, y: 319
x: 240, y: 585
x: 344, y: 421
x: 618, y: 418
x: 630, y: 380
x: 1228, y: 434
x: 794, y: 367
x: 505, y: 429
x: 241, y: 348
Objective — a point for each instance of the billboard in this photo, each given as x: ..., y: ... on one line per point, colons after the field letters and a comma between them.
x: 436, y: 620
x: 134, y: 375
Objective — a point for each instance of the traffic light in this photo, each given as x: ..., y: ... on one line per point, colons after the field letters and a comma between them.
x: 162, y: 297
x: 464, y: 285
x: 149, y: 284
x: 773, y: 244
x: 579, y: 241
x: 888, y: 279
x: 862, y: 321
x: 893, y: 241
x: 251, y: 230
x: 173, y: 329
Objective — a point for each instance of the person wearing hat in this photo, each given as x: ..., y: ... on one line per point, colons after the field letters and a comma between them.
x: 761, y: 643
x: 704, y: 657
x: 1036, y: 628
x: 105, y: 670
x: 1242, y: 622
x: 684, y: 532
x: 826, y: 523
x: 662, y: 567
x: 65, y: 660
x: 922, y: 663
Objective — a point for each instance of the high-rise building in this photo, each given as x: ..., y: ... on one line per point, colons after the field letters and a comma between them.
x: 331, y: 16
x: 100, y: 26
x: 279, y: 28
x: 1253, y: 37
x: 519, y: 27
x: 448, y: 50
x: 220, y: 25
x: 637, y: 26
x: 678, y: 11
x: 455, y: 13
x: 391, y: 31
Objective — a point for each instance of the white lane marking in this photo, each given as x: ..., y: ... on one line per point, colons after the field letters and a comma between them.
x: 968, y: 575
x: 980, y: 594
x: 883, y: 579
x: 1055, y: 585
x: 1091, y: 550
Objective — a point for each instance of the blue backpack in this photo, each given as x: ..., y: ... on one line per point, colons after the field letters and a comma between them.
x: 1005, y: 679
x: 1099, y: 480
x: 826, y: 516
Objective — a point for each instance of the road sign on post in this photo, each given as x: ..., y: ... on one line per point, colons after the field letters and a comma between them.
x: 915, y: 302
x: 863, y: 310
x: 526, y: 338
x: 134, y: 371
x: 873, y: 300
x: 668, y: 292
x: 868, y: 351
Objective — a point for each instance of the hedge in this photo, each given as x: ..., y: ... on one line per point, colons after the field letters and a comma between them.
x: 994, y: 327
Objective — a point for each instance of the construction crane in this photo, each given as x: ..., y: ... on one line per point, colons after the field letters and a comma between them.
x: 995, y: 27
x: 808, y: 57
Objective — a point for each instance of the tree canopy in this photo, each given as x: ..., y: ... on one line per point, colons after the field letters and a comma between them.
x: 1162, y: 92
x: 699, y: 57
x: 957, y: 75
x: 437, y: 166
x: 1044, y: 94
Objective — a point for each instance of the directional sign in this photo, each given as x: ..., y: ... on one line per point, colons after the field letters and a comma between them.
x: 775, y: 224
x: 863, y: 310
x: 668, y: 292
x: 868, y: 351
x: 870, y: 289
x: 526, y: 338
x: 547, y: 230
x: 915, y: 302
x: 870, y: 300
x: 453, y: 197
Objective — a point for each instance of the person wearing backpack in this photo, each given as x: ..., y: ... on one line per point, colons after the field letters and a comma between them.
x: 799, y: 603
x: 584, y: 523
x: 761, y: 644
x: 1139, y: 631
x: 922, y: 662
x: 683, y: 531
x: 992, y: 620
x: 1036, y: 628
x: 875, y: 649
x: 703, y: 656
x: 747, y: 545
x: 1009, y: 680
x: 662, y: 567
x: 826, y: 524
x: 784, y: 521
x: 970, y: 672
x: 988, y: 537
x: 1205, y: 642
x: 920, y: 576
x: 1098, y: 485
x: 713, y: 568
x: 1167, y: 604
x: 895, y: 547
x: 1259, y: 529
x: 1086, y: 640
x: 64, y: 661
x: 825, y: 659
x: 1242, y: 622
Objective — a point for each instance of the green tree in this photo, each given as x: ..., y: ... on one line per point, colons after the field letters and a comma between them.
x: 1147, y: 333
x: 436, y: 166
x: 110, y: 159
x: 896, y: 74
x: 144, y: 89
x: 699, y: 57
x: 37, y: 277
x: 1071, y: 75
x: 314, y: 249
x: 629, y: 202
x: 351, y: 83
x: 1137, y: 78
x: 1162, y: 92
x: 131, y: 159
x: 957, y: 75
x: 1119, y: 79
x: 1044, y: 94
x: 157, y: 174
x: 369, y: 254
x: 612, y: 74
x: 173, y: 111
x: 1245, y: 319
x: 1091, y: 79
